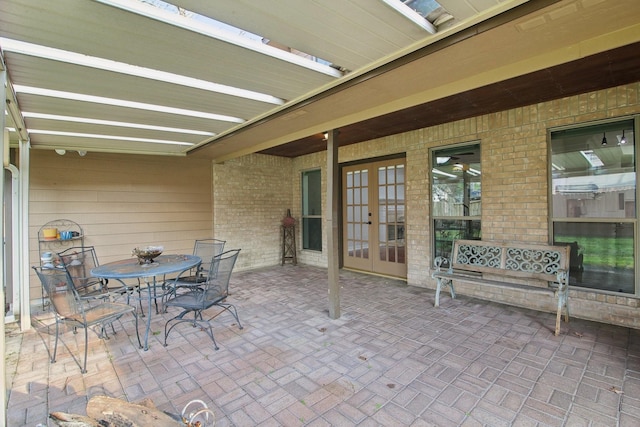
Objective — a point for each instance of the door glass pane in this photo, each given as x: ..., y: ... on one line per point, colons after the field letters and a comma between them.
x: 383, y: 232
x: 400, y: 173
x: 357, y: 210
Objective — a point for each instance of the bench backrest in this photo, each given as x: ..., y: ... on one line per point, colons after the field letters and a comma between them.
x: 511, y: 259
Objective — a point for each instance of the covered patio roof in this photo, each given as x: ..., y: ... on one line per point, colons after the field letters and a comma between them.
x: 293, y: 70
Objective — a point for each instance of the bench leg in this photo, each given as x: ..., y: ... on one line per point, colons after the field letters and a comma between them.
x: 439, y: 288
x: 563, y: 303
x: 558, y: 317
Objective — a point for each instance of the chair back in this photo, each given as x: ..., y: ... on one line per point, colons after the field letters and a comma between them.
x: 206, y: 249
x: 216, y: 288
x: 61, y: 293
x: 79, y: 260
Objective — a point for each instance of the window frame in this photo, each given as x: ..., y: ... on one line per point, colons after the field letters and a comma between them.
x: 583, y: 221
x: 474, y: 225
x: 304, y: 217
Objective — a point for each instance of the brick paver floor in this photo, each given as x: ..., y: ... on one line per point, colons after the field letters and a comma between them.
x: 391, y: 359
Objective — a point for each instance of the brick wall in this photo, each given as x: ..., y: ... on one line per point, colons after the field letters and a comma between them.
x: 251, y: 196
x: 514, y: 186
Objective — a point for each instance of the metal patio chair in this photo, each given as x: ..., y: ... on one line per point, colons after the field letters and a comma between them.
x: 206, y: 249
x: 212, y: 292
x: 72, y: 310
x: 78, y: 261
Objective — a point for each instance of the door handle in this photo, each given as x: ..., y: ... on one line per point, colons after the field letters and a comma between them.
x: 368, y: 222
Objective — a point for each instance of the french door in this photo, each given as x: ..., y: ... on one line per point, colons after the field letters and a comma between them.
x: 374, y: 217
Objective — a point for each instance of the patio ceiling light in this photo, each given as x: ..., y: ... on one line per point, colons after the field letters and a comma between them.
x: 623, y: 140
x: 124, y: 103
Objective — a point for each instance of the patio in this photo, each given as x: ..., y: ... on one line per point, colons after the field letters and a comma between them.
x: 391, y: 359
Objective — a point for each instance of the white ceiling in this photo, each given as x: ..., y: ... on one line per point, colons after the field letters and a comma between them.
x: 367, y: 38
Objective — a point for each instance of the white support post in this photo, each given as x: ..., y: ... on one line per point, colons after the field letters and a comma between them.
x: 25, y: 272
x: 3, y: 385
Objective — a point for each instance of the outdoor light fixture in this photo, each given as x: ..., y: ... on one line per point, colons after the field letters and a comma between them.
x: 623, y: 140
x: 60, y: 151
x: 82, y: 153
x: 604, y: 139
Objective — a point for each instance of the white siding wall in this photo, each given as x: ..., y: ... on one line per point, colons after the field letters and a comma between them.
x: 121, y: 201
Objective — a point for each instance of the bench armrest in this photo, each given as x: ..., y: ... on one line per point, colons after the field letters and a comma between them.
x: 562, y: 279
x: 440, y: 261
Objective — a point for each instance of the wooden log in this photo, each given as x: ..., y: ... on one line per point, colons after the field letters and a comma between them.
x: 63, y: 419
x: 120, y: 413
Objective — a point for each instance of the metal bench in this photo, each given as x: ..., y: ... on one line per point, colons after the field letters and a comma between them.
x: 508, y: 264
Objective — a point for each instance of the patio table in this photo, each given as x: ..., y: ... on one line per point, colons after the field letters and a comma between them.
x: 152, y: 274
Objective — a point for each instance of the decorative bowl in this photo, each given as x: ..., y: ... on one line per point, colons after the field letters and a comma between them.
x: 147, y: 254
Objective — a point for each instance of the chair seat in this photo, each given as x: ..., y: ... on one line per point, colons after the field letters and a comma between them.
x: 191, y: 280
x: 105, y: 311
x: 193, y: 301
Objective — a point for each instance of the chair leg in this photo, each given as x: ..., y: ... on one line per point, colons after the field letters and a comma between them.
x: 231, y: 309
x: 196, y: 321
x: 55, y: 345
x: 135, y: 314
x: 86, y: 349
x: 210, y: 332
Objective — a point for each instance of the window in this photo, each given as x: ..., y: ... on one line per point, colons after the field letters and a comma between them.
x: 311, y: 210
x: 593, y: 206
x: 456, y: 194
